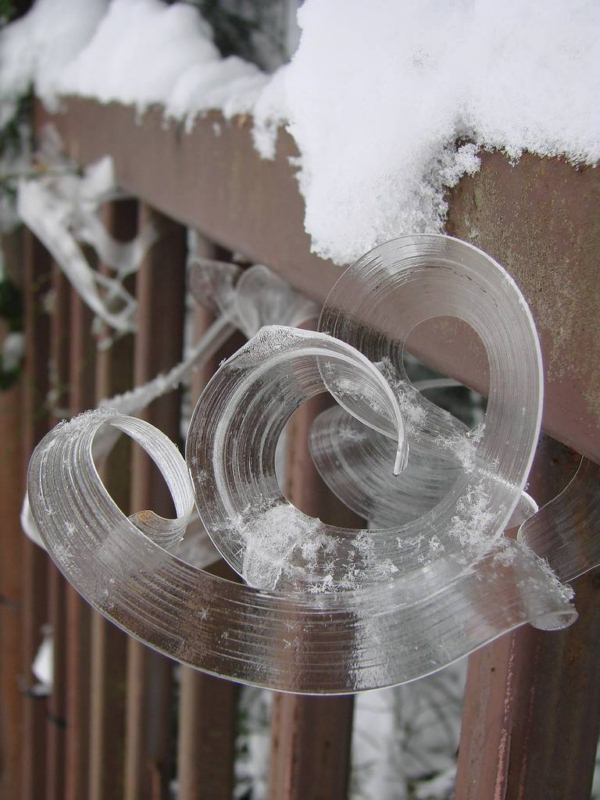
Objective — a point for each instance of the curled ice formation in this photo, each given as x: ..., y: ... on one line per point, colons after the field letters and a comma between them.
x: 323, y: 609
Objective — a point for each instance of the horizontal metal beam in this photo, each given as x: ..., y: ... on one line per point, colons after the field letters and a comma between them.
x: 540, y: 218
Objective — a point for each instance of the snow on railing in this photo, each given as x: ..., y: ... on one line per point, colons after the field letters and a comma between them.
x: 379, y: 145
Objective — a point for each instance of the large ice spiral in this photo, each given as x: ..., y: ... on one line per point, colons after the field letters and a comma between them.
x: 324, y: 609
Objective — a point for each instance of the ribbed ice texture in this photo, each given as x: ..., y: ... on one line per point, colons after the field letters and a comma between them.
x: 325, y: 609
x: 240, y: 299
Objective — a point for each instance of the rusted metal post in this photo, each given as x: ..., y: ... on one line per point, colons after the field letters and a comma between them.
x: 78, y: 613
x: 311, y: 736
x: 59, y: 400
x: 532, y: 705
x: 159, y: 342
x: 114, y: 374
x: 37, y: 270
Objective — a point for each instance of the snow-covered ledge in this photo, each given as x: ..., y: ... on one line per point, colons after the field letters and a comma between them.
x: 537, y: 217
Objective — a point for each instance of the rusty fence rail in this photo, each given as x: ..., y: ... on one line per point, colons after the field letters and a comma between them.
x: 123, y: 721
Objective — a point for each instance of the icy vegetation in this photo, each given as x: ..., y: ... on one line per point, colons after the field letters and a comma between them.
x: 390, y: 103
x: 63, y: 210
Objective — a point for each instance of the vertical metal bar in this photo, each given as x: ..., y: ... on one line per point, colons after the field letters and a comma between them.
x: 78, y: 612
x: 159, y: 343
x: 37, y: 269
x: 11, y: 588
x: 207, y: 705
x: 532, y: 707
x: 59, y: 380
x: 311, y: 736
x: 114, y: 374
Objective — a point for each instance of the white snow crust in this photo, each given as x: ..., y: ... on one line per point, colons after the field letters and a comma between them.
x: 38, y: 47
x: 390, y: 102
x: 161, y: 54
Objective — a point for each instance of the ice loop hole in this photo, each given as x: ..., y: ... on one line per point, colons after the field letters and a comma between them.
x: 297, y: 475
x: 167, y: 510
x: 232, y: 454
x: 469, y: 358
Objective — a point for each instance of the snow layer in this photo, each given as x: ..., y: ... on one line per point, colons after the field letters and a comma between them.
x: 37, y: 48
x: 145, y: 52
x: 380, y: 95
x: 390, y: 102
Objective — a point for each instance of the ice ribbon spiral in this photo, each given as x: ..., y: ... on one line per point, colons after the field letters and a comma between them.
x: 325, y: 609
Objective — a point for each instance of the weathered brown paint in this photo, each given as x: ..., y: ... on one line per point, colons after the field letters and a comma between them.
x: 158, y: 346
x: 114, y: 374
x: 37, y: 269
x: 310, y: 747
x: 532, y: 706
x: 11, y: 566
x: 539, y: 218
x: 206, y: 737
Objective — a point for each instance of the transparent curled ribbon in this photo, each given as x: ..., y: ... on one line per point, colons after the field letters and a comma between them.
x: 323, y: 609
x: 244, y: 300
